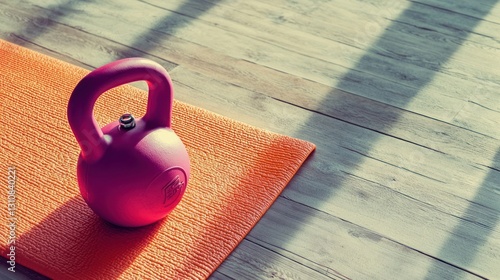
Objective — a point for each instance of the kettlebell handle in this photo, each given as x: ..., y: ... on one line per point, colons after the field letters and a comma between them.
x: 81, y: 103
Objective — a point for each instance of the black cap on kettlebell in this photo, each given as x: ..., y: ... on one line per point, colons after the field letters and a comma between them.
x: 127, y: 121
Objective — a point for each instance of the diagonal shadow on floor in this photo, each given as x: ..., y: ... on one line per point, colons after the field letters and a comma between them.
x: 475, y: 225
x: 174, y: 20
x: 346, y: 111
x: 40, y: 22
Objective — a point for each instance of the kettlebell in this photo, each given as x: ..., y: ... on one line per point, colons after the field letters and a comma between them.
x: 134, y: 171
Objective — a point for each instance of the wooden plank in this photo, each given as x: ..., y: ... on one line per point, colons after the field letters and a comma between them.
x: 250, y: 258
x: 405, y: 43
x: 236, y: 19
x: 14, y: 38
x: 199, y: 89
x: 429, y: 101
x: 422, y: 189
x: 263, y: 53
x: 348, y: 250
x: 409, y: 12
x: 481, y: 118
x: 445, y: 107
x: 278, y: 35
x: 476, y: 9
x: 219, y: 276
x: 304, y: 93
x: 487, y: 10
x: 68, y: 44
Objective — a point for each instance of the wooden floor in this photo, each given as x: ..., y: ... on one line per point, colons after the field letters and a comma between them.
x: 402, y: 99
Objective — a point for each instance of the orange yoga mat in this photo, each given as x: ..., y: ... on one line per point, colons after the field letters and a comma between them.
x: 237, y: 173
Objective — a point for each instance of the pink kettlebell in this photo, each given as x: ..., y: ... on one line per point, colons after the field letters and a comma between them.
x: 132, y: 172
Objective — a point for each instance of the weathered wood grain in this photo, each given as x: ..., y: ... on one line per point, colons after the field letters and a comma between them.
x: 399, y: 96
x: 370, y: 177
x: 476, y: 9
x: 343, y: 246
x: 219, y: 276
x: 251, y: 258
x: 408, y: 88
x: 92, y: 51
x: 275, y: 57
x: 444, y: 17
x: 271, y: 114
x: 305, y: 93
x: 473, y: 78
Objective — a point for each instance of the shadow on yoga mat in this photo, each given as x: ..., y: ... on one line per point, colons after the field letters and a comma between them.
x: 103, y: 249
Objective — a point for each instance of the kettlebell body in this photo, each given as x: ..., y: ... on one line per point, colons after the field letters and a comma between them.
x: 132, y: 172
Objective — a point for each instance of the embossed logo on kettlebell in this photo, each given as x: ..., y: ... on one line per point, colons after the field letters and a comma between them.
x: 171, y: 189
x: 167, y: 189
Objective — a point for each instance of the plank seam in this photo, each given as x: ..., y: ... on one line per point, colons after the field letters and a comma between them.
x: 452, y: 36
x: 451, y: 11
x: 52, y: 51
x: 367, y: 73
x: 490, y: 167
x: 358, y: 125
x: 485, y: 107
x: 325, y: 273
x: 217, y: 271
x: 388, y: 163
x: 173, y: 63
x: 372, y: 100
x: 428, y: 204
x: 391, y: 240
x: 113, y: 41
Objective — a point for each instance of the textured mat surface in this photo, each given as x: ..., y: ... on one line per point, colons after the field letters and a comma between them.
x: 237, y: 172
